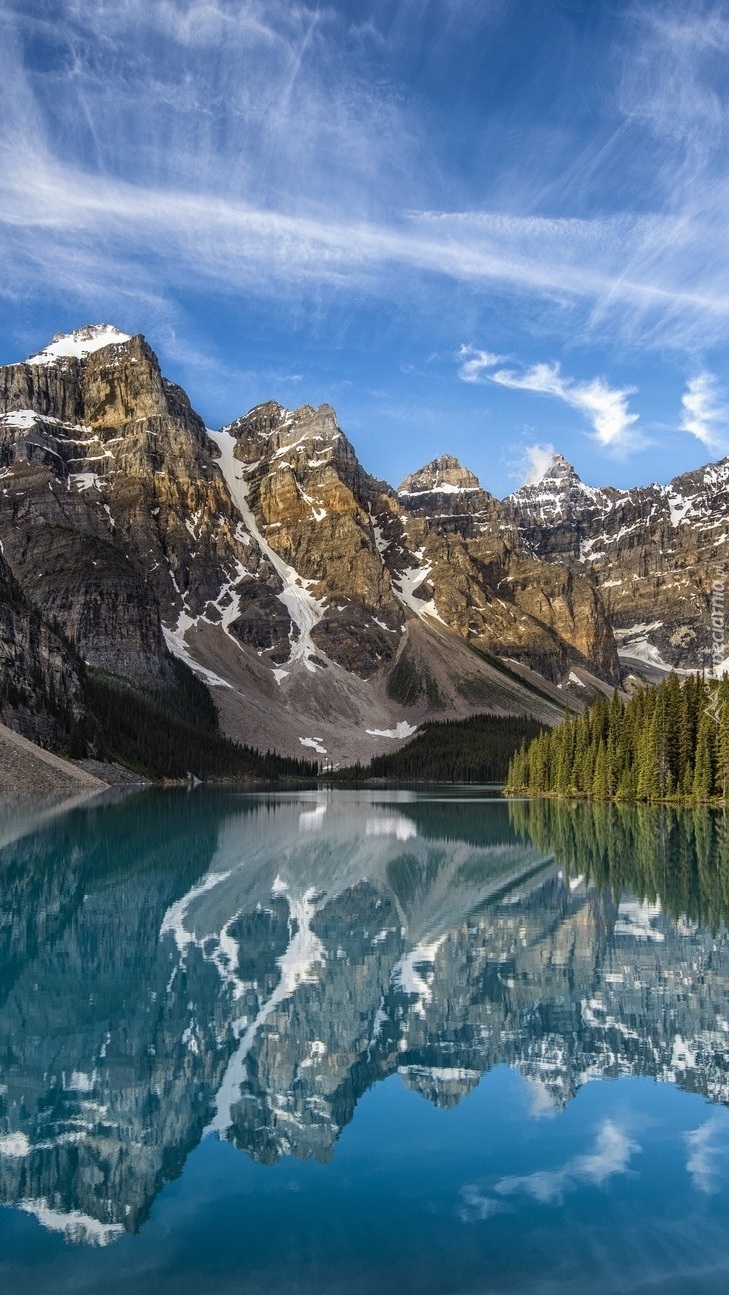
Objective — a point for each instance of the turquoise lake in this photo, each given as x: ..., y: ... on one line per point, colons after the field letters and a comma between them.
x: 306, y: 1043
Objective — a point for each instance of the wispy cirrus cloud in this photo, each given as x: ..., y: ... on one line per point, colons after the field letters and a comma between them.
x: 474, y: 364
x: 705, y: 412
x: 605, y: 408
x: 193, y: 166
x: 234, y: 148
x: 674, y: 83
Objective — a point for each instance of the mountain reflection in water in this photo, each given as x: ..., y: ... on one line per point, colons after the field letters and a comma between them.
x: 248, y: 966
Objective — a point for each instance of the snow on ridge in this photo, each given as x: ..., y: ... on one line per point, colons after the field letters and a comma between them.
x: 79, y: 344
x: 305, y: 610
x: 25, y: 418
x: 176, y: 644
x: 440, y: 488
x: 678, y: 507
x: 716, y: 473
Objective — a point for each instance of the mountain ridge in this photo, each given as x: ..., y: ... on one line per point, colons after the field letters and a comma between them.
x: 326, y: 611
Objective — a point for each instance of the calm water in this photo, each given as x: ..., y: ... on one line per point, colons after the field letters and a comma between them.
x: 363, y: 1042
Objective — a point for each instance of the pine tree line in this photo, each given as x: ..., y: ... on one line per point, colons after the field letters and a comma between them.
x: 477, y: 749
x: 669, y: 743
x: 168, y: 732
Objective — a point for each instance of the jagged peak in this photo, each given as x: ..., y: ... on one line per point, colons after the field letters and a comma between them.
x: 559, y: 471
x: 711, y: 475
x: 272, y: 420
x: 561, y: 466
x: 444, y: 475
x: 80, y: 343
x: 559, y: 480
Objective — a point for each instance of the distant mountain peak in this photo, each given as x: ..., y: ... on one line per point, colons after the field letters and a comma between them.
x: 272, y: 419
x: 443, y: 475
x: 80, y: 343
x: 558, y: 471
x: 558, y: 482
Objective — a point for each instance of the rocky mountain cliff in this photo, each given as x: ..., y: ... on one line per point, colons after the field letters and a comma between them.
x: 653, y: 552
x: 41, y: 693
x: 328, y: 613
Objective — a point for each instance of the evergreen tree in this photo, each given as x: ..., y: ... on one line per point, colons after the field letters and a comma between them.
x: 703, y: 783
x: 601, y: 788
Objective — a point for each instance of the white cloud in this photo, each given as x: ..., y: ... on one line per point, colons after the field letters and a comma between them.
x: 605, y: 408
x: 705, y: 412
x: 534, y: 461
x: 475, y: 363
x: 542, y: 1104
x: 673, y: 81
x: 611, y: 1155
x: 707, y: 1155
x: 227, y: 147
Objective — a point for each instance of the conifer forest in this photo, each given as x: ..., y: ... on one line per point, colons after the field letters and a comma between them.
x: 669, y: 743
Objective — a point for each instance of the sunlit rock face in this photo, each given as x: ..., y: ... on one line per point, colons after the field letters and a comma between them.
x: 266, y: 555
x: 315, y: 505
x: 449, y: 496
x: 654, y: 552
x: 255, y: 968
x: 487, y: 585
x: 107, y: 475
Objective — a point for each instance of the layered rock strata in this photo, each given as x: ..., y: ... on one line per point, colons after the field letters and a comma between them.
x: 655, y: 553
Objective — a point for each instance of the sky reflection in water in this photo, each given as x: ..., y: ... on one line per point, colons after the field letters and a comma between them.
x: 315, y: 1042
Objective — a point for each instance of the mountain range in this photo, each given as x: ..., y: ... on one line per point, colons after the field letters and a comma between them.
x: 329, y: 613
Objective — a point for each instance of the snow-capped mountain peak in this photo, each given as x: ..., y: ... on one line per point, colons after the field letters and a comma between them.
x: 80, y: 343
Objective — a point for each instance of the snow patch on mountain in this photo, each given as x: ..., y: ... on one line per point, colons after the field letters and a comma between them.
x: 634, y: 641
x: 315, y: 743
x: 406, y: 582
x: 305, y: 610
x: 402, y: 731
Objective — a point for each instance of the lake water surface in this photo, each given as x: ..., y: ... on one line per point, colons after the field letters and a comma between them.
x: 358, y: 1042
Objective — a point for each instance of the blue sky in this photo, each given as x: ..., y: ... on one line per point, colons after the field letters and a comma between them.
x: 485, y: 227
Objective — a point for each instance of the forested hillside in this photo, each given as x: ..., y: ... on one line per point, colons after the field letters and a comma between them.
x: 472, y: 750
x: 666, y: 743
x: 173, y: 731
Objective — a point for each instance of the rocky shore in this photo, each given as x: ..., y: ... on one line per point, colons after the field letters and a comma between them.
x: 28, y: 772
